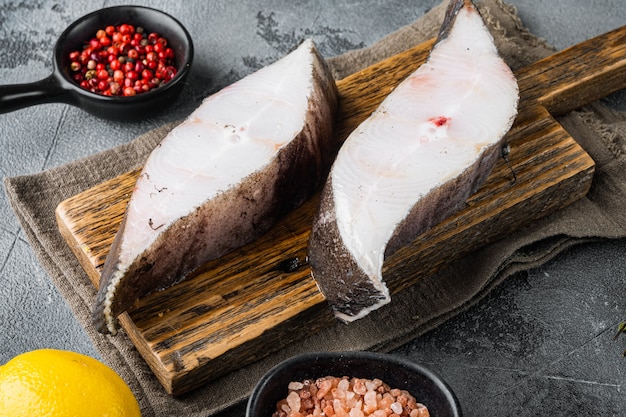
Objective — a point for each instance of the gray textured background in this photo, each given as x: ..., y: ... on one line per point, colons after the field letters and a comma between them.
x: 539, y: 345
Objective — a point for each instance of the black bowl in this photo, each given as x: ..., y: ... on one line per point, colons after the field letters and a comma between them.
x: 60, y: 87
x: 423, y: 384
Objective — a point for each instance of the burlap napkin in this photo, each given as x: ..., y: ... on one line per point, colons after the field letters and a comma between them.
x: 601, y: 132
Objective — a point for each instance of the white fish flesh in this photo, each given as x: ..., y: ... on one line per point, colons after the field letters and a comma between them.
x: 412, y: 163
x: 247, y: 155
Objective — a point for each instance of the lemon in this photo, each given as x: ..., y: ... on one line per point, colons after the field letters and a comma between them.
x: 59, y: 383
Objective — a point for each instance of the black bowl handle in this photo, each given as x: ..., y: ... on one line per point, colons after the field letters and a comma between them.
x: 17, y: 96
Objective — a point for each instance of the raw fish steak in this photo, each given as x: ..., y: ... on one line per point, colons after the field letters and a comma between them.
x: 249, y: 154
x: 412, y: 163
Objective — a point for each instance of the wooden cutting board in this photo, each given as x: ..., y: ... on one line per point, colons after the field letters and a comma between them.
x: 248, y: 303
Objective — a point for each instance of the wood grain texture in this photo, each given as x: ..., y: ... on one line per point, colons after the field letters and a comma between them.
x: 244, y: 305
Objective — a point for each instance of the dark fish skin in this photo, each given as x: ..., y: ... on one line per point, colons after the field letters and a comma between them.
x: 451, y: 12
x: 347, y: 288
x: 233, y: 218
x: 333, y: 266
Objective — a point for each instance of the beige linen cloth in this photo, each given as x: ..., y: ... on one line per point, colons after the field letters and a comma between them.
x: 601, y: 132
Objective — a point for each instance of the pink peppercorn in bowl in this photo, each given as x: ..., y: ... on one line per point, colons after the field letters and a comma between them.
x: 64, y: 85
x: 272, y: 394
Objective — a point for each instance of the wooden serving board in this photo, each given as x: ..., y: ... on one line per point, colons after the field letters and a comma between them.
x: 246, y: 304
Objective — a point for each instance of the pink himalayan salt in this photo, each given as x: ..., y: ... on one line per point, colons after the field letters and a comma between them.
x: 345, y: 397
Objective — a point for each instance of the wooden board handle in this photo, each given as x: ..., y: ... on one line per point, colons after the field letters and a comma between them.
x: 577, y: 75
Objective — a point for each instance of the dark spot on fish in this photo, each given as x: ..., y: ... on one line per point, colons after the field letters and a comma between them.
x: 151, y: 223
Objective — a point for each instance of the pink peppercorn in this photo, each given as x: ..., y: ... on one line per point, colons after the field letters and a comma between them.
x: 123, y: 60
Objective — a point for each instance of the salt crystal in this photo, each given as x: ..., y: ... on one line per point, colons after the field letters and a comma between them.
x: 355, y: 412
x: 396, y: 408
x: 324, y: 387
x: 350, y: 395
x: 338, y: 408
x: 294, y: 386
x: 338, y: 393
x: 369, y: 402
x: 293, y: 400
x: 344, y: 385
x: 359, y: 387
x: 385, y: 401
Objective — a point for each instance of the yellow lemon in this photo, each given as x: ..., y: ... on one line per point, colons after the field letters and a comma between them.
x: 59, y: 383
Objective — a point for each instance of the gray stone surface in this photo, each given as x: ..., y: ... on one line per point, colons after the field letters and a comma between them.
x: 538, y: 345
